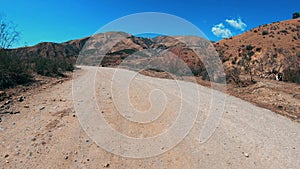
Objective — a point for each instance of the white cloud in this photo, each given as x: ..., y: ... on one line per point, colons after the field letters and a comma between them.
x: 220, y: 31
x: 237, y: 24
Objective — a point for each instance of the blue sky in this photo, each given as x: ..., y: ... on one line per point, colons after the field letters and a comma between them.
x: 62, y: 20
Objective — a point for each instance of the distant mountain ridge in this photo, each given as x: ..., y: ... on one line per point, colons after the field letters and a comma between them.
x: 270, y: 49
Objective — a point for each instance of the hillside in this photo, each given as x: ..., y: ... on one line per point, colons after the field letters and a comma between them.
x: 262, y: 52
x: 273, y: 48
x: 51, y: 50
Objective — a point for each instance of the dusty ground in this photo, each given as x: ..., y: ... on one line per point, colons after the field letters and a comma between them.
x: 280, y: 97
x: 46, y: 134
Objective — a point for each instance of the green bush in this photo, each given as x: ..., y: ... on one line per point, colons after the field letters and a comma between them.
x: 265, y: 33
x: 52, y: 67
x: 13, y: 71
x: 250, y: 54
x: 296, y: 15
x: 249, y: 47
x: 46, y: 67
x: 16, y: 71
x: 292, y: 75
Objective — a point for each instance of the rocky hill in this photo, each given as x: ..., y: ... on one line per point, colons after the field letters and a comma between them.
x: 51, y: 50
x: 267, y: 51
x: 264, y: 53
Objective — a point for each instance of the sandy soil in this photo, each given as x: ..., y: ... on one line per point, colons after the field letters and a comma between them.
x: 280, y: 97
x: 46, y: 132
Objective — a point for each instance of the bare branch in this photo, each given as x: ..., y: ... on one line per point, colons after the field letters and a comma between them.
x: 8, y: 34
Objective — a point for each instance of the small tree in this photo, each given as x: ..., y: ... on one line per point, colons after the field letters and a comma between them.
x: 296, y: 15
x: 246, y: 54
x: 265, y: 32
x: 8, y: 34
x: 13, y: 70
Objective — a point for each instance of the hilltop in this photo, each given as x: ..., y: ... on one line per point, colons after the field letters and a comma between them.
x: 272, y: 48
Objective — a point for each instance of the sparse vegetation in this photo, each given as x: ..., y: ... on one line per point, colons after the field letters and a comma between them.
x: 246, y: 55
x: 296, y: 15
x: 249, y: 47
x: 292, y: 75
x: 12, y: 71
x: 51, y: 67
x: 265, y: 32
x: 232, y: 76
x: 20, y: 70
x: 15, y: 71
x: 283, y: 32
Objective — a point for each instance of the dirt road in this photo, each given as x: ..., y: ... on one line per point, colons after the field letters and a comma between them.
x: 49, y: 133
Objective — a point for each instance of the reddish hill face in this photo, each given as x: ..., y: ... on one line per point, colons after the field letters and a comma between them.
x: 164, y: 53
x: 270, y: 49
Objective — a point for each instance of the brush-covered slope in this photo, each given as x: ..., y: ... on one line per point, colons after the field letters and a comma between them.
x: 262, y: 52
x: 267, y: 50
